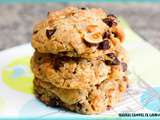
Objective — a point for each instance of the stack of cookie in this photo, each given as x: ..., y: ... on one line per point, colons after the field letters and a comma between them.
x: 79, y: 62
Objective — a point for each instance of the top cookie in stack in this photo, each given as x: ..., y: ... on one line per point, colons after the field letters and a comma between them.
x: 79, y: 62
x: 86, y: 33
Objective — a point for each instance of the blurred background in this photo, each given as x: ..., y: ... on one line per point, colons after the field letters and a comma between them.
x: 17, y: 17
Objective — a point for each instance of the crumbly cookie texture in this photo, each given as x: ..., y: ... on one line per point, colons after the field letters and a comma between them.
x: 88, y: 101
x: 76, y: 73
x: 74, y: 32
x: 79, y: 62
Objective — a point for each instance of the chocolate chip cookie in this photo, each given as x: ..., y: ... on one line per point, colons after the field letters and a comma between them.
x: 77, y: 32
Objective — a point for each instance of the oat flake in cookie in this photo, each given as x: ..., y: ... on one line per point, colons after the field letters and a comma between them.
x: 79, y: 62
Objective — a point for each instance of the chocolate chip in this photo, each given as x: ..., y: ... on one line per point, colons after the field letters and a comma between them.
x: 125, y: 78
x: 106, y: 35
x: 97, y: 86
x: 79, y: 105
x: 35, y: 32
x: 111, y: 55
x: 110, y: 21
x: 58, y: 63
x: 108, y: 107
x: 89, y: 102
x: 86, y: 110
x: 92, y: 64
x: 83, y: 8
x: 104, y: 45
x: 114, y: 61
x: 108, y: 62
x: 50, y: 32
x: 60, y: 60
x: 40, y: 58
x: 124, y: 66
x: 93, y: 107
x: 111, y: 15
x: 54, y: 102
x: 75, y: 71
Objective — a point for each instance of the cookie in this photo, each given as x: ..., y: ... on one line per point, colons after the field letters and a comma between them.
x: 75, y: 32
x: 69, y: 72
x: 87, y: 101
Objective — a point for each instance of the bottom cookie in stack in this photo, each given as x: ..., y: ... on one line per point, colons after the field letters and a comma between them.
x: 85, y: 101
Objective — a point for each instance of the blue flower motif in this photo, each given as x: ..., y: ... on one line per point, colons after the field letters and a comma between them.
x: 19, y: 71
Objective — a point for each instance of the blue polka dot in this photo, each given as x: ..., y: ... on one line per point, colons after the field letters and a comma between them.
x: 151, y: 99
x: 18, y: 71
